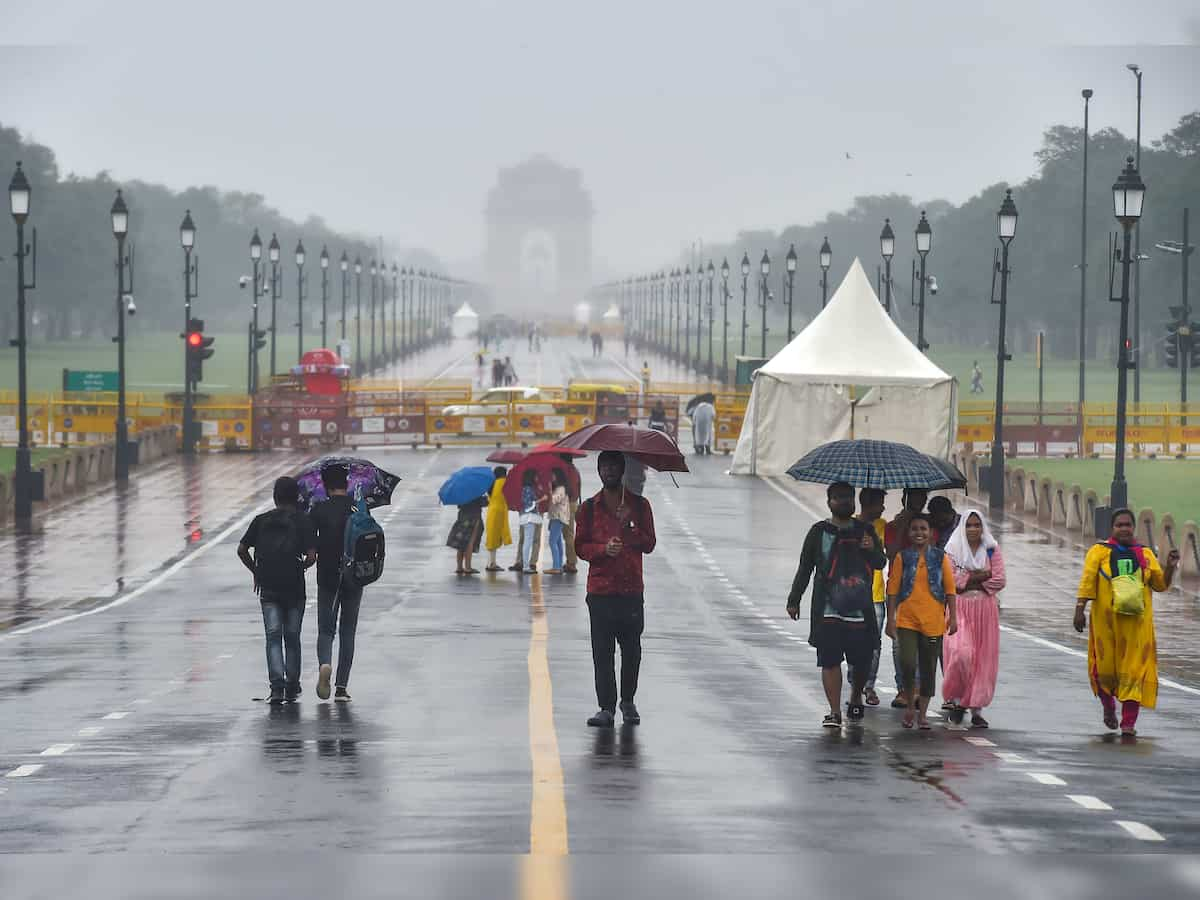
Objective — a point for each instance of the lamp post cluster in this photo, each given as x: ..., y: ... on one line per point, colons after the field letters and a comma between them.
x: 668, y: 312
x: 407, y: 309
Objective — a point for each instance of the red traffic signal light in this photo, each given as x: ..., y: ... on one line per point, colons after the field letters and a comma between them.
x: 195, y: 339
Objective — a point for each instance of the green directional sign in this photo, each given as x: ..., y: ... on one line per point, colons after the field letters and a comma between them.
x: 89, y: 381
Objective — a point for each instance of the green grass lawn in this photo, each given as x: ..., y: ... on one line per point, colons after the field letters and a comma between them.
x: 1164, y: 485
x: 8, y: 457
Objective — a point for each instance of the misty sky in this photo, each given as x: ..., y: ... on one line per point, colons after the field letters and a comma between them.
x: 689, y: 120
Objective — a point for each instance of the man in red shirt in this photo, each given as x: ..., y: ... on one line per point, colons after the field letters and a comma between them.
x: 612, y: 531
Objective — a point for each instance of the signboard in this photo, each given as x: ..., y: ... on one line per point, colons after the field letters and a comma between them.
x: 91, y: 381
x: 555, y: 423
x: 372, y: 425
x: 309, y: 426
x: 474, y: 423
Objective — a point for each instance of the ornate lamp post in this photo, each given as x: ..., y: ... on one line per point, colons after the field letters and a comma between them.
x: 358, y: 357
x: 300, y: 283
x: 924, y: 243
x: 725, y: 321
x: 187, y: 240
x: 1006, y: 226
x: 791, y: 275
x: 765, y: 268
x: 1128, y: 194
x: 371, y: 357
x: 120, y: 228
x: 687, y: 318
x: 745, y: 281
x: 324, y: 296
x: 19, y: 195
x: 710, y: 273
x: 255, y: 258
x: 276, y: 291
x: 344, y: 265
x: 826, y: 259
x: 887, y: 249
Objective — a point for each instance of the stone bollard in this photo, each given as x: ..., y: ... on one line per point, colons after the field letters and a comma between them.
x: 1045, y: 501
x: 1058, y: 506
x: 1029, y: 493
x: 1189, y: 548
x: 1090, y: 501
x: 52, y: 478
x: 1168, y: 534
x: 6, y: 497
x: 1146, y: 530
x: 1075, y: 509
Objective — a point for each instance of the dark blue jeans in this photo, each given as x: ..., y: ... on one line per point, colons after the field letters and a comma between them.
x: 348, y: 601
x: 283, y: 614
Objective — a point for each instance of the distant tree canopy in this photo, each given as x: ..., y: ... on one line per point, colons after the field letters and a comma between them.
x: 1044, y: 257
x: 76, y: 290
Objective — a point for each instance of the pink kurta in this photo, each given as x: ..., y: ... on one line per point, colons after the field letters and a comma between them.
x: 971, y: 657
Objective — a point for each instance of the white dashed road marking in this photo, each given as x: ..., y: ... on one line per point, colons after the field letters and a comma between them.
x: 1088, y: 802
x: 1046, y: 778
x: 90, y: 731
x: 116, y: 715
x: 24, y: 771
x: 57, y: 749
x: 1140, y: 831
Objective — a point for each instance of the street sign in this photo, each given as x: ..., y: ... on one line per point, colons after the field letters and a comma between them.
x: 89, y: 381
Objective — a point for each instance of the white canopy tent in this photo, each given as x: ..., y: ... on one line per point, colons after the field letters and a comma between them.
x: 852, y: 373
x: 612, y: 314
x: 465, y: 322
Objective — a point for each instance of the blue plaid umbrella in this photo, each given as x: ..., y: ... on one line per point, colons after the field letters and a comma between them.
x: 876, y: 464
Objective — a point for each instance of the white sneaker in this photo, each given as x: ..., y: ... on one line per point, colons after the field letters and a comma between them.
x: 323, y: 681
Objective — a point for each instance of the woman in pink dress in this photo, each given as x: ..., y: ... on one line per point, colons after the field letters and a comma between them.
x: 971, y: 658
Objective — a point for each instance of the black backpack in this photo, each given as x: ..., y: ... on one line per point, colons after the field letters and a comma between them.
x: 277, y: 551
x: 850, y: 578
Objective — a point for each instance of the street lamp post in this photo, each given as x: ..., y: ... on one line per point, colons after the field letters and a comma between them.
x: 300, y: 283
x: 699, y: 315
x: 405, y: 311
x: 344, y: 265
x: 1087, y: 96
x: 276, y: 291
x: 745, y: 281
x: 358, y: 360
x: 395, y: 308
x: 374, y: 362
x: 687, y: 318
x: 120, y: 227
x: 924, y: 243
x: 1136, y: 355
x: 826, y: 259
x: 724, y: 321
x: 765, y: 268
x: 324, y: 296
x: 187, y: 240
x: 19, y: 195
x: 1128, y: 194
x: 709, y: 272
x: 887, y: 249
x: 255, y: 258
x: 1006, y: 225
x: 791, y: 275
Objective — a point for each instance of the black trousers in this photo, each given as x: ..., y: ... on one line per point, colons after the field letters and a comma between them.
x: 616, y: 619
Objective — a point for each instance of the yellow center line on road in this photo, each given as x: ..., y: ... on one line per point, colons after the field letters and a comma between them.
x: 548, y: 809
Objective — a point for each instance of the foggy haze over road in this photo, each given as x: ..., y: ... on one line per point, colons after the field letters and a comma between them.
x: 688, y: 122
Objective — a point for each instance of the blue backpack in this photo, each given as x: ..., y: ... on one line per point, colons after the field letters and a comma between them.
x: 363, y: 552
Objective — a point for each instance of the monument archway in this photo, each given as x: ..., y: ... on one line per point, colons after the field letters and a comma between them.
x: 539, y: 238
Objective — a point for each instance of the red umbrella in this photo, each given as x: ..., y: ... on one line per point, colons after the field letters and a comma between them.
x: 653, y: 448
x: 506, y: 456
x: 542, y: 464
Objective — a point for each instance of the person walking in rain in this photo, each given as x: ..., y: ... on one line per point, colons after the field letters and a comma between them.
x: 530, y: 520
x: 498, y: 533
x: 703, y: 416
x: 559, y: 517
x: 338, y: 598
x: 284, y: 545
x: 613, y: 531
x: 843, y: 553
x: 896, y: 538
x: 1119, y: 580
x: 871, y: 502
x: 976, y: 378
x: 510, y: 374
x: 921, y: 608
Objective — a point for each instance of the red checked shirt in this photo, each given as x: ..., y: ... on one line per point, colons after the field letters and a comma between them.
x: 596, y: 524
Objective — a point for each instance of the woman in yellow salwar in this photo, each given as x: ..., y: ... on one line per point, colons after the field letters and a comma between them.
x: 498, y: 533
x: 1119, y: 578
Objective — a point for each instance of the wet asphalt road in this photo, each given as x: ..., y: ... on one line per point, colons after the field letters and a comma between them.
x: 136, y: 730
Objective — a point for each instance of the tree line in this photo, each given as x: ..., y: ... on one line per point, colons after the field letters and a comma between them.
x: 76, y: 290
x: 1044, y: 256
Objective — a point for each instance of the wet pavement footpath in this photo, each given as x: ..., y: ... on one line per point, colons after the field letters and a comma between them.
x: 139, y: 732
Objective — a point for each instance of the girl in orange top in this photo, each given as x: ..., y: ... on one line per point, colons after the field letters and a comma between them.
x: 920, y: 610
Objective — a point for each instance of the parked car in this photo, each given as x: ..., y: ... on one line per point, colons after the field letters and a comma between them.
x: 500, y: 401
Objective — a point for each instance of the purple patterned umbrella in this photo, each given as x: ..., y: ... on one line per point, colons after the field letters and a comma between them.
x: 376, y: 484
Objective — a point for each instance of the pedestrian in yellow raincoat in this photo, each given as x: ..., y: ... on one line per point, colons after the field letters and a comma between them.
x: 498, y: 534
x: 1119, y: 580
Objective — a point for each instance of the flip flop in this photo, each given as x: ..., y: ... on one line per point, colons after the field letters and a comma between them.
x: 872, y: 698
x: 907, y: 721
x: 925, y: 726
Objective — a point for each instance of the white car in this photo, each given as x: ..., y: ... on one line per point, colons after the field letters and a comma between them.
x: 500, y: 401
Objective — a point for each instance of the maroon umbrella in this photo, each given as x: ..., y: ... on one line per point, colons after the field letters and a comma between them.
x: 506, y: 455
x: 652, y: 448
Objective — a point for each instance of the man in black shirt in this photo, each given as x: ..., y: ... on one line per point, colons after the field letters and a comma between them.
x: 284, y: 546
x: 333, y: 592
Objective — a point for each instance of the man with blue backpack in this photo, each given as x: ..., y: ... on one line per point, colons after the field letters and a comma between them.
x: 284, y: 546
x: 350, y: 551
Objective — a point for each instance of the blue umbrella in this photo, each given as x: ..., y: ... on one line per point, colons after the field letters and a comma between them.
x: 876, y: 464
x: 466, y: 485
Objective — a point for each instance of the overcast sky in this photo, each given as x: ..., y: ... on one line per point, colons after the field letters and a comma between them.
x: 690, y: 120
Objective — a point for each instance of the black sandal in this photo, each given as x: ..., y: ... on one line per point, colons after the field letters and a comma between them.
x: 833, y: 720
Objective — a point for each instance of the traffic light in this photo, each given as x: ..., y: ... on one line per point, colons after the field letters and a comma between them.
x: 260, y: 339
x: 199, y: 348
x: 1191, y: 341
x: 1171, y: 347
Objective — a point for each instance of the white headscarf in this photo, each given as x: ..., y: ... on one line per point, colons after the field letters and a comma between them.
x: 960, y: 550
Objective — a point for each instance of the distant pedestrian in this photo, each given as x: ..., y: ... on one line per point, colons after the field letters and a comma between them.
x: 284, y: 545
x: 626, y: 339
x: 498, y: 533
x: 976, y: 378
x: 842, y: 553
x: 1119, y: 578
x: 921, y: 609
x: 971, y: 658
x: 560, y: 515
x: 871, y: 502
x: 645, y: 377
x: 497, y: 372
x: 614, y: 530
x: 704, y: 414
x: 943, y: 519
x: 465, y: 534
x: 338, y: 598
x: 571, y: 566
x: 658, y: 417
x: 510, y: 374
x: 530, y: 520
